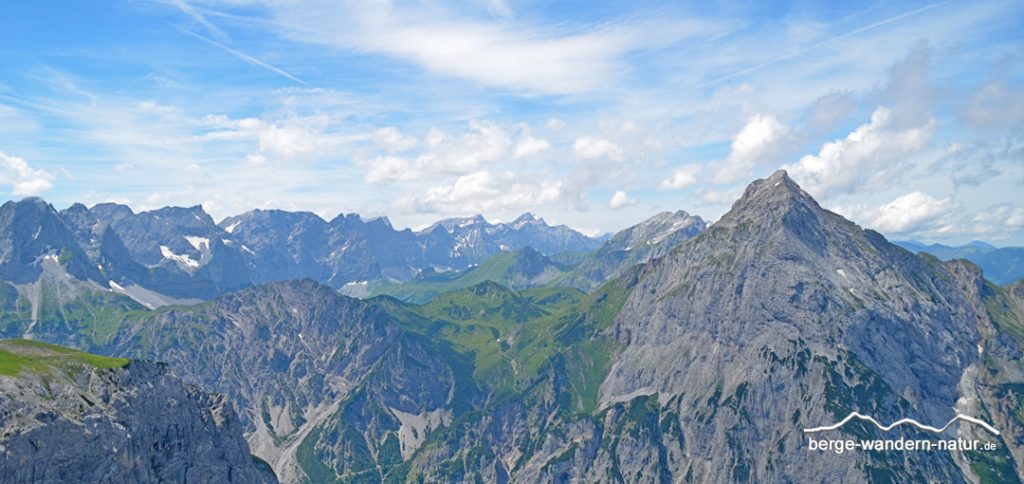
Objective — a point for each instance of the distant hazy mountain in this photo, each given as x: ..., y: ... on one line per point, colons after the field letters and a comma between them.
x: 1000, y: 265
x: 31, y: 229
x: 705, y: 364
x: 521, y: 269
x: 525, y: 268
x: 640, y: 243
x: 175, y: 254
x: 475, y: 239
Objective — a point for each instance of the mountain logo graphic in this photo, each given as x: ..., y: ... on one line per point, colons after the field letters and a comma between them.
x: 909, y: 421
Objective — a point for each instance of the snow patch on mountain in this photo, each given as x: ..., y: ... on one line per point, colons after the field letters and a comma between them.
x: 200, y: 243
x: 185, y: 260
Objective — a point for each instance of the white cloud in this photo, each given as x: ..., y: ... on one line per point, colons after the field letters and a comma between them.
x: 482, y: 144
x: 550, y: 59
x: 592, y: 233
x: 390, y: 168
x: 482, y: 191
x: 915, y: 212
x: 721, y: 197
x: 871, y: 152
x: 529, y: 146
x: 22, y: 178
x: 975, y: 162
x: 593, y: 148
x: 392, y: 140
x: 554, y: 124
x: 293, y: 138
x: 996, y: 105
x: 828, y: 110
x: 680, y: 178
x: 999, y: 219
x: 286, y: 138
x: 620, y: 199
x: 759, y: 142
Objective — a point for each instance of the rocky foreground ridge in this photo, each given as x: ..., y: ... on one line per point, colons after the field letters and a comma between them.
x: 67, y: 416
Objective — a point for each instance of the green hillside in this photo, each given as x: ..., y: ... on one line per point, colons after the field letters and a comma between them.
x: 18, y: 356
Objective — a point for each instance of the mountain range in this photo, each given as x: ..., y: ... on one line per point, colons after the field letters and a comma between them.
x: 174, y: 254
x: 529, y: 268
x: 1001, y: 265
x: 672, y: 352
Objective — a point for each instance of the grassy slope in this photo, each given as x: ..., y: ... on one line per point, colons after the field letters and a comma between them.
x: 18, y: 355
x: 513, y: 335
x: 93, y: 314
x: 423, y: 289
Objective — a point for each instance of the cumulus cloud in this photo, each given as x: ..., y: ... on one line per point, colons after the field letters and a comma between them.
x: 760, y: 141
x: 529, y: 146
x: 22, y: 178
x: 680, y: 178
x: 482, y: 144
x: 870, y: 152
x: 711, y: 196
x: 291, y: 140
x: 620, y: 199
x: 554, y: 124
x: 483, y: 191
x: 913, y: 213
x: 999, y: 219
x: 593, y: 148
x: 287, y: 138
x: 392, y: 140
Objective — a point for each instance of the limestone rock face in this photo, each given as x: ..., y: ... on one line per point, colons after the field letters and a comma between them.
x: 784, y: 316
x: 64, y: 420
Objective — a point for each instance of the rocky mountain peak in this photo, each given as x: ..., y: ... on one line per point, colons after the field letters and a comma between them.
x: 776, y: 191
x: 196, y: 212
x: 773, y: 206
x: 31, y: 205
x: 111, y: 211
x: 527, y: 218
x: 451, y: 224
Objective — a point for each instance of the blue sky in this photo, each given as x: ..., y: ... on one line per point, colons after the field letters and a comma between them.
x: 905, y: 117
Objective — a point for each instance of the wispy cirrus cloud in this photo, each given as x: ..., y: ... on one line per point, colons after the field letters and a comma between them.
x: 245, y: 57
x: 521, y: 56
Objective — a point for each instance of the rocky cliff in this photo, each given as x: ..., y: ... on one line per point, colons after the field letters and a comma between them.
x: 73, y: 417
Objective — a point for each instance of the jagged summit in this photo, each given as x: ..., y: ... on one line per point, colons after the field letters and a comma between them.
x: 33, y: 201
x: 777, y: 193
x: 776, y: 212
x: 528, y: 218
x: 450, y: 224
